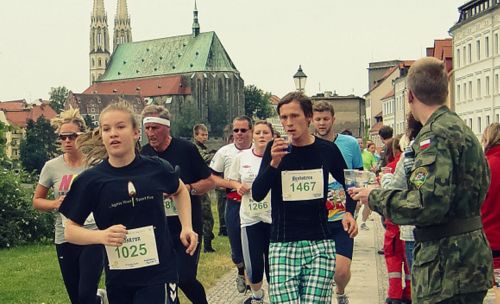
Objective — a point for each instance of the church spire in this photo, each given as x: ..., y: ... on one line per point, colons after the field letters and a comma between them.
x: 123, y: 30
x: 99, y: 41
x: 196, y: 25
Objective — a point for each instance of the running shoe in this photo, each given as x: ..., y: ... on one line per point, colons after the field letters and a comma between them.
x: 240, y: 283
x: 342, y: 299
x: 103, y: 295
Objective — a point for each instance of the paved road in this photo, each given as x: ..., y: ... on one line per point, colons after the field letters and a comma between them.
x: 369, y: 276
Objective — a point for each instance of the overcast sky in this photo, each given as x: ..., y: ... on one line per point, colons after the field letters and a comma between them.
x: 45, y: 43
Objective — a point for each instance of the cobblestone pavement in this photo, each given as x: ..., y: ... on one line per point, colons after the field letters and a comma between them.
x: 368, y: 283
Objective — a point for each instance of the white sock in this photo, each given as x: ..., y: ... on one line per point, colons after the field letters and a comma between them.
x: 259, y: 294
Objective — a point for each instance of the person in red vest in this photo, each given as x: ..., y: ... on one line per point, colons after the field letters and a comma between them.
x: 394, y: 247
x: 490, y: 210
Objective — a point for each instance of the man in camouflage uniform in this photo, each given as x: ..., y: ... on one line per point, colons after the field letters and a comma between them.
x: 200, y: 137
x: 448, y: 179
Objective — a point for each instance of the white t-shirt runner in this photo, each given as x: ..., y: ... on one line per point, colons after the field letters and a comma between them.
x: 245, y: 168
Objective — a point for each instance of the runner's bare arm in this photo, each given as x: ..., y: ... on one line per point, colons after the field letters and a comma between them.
x: 112, y: 236
x: 221, y: 182
x: 203, y: 185
x: 188, y: 237
x: 40, y: 201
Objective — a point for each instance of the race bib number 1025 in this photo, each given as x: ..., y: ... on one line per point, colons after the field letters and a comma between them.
x: 139, y: 250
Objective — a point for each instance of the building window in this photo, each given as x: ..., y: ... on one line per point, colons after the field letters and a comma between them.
x: 15, y: 152
x: 495, y: 44
x: 464, y: 52
x: 498, y: 118
x: 458, y: 93
x: 470, y: 123
x: 478, y: 91
x: 465, y: 91
x: 479, y: 124
x: 99, y: 62
x: 496, y: 83
x: 470, y: 90
x: 469, y: 51
x: 14, y: 142
x: 487, y: 120
x: 478, y: 50
x: 458, y: 58
x: 487, y: 86
x: 487, y: 46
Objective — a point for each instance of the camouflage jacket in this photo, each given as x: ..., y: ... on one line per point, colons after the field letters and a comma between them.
x: 448, y: 180
x: 203, y: 150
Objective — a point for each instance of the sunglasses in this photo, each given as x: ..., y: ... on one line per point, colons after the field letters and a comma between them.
x: 70, y: 136
x: 240, y: 130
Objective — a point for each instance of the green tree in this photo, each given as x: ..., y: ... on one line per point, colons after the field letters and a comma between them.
x: 257, y: 103
x: 58, y: 97
x: 88, y: 121
x: 182, y: 125
x: 19, y: 222
x: 39, y: 145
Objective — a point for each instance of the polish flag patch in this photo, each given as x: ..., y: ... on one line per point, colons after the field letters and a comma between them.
x: 425, y: 144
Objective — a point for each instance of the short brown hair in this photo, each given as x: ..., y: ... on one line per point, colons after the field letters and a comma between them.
x: 301, y: 98
x: 199, y: 127
x: 323, y: 106
x: 244, y: 118
x: 428, y: 81
x: 491, y: 136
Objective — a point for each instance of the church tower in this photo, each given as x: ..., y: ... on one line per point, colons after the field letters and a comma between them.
x: 123, y: 31
x: 99, y: 41
x: 196, y: 25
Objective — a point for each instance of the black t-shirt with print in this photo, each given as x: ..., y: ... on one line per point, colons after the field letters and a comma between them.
x: 193, y: 168
x: 306, y: 219
x: 103, y: 190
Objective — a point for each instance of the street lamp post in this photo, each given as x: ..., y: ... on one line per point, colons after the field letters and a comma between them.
x: 300, y: 79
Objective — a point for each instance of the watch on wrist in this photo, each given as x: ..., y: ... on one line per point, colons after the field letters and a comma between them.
x: 192, y: 190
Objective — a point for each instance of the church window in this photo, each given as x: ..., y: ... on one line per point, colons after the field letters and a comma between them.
x: 93, y: 62
x: 99, y: 38
x: 199, y: 94
x: 99, y: 62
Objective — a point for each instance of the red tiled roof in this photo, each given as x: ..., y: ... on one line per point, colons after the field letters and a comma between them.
x: 13, y: 105
x: 19, y: 118
x: 146, y: 87
x: 274, y: 99
x: 389, y: 94
x: 376, y: 127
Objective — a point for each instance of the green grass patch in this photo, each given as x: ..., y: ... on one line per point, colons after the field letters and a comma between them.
x: 30, y: 274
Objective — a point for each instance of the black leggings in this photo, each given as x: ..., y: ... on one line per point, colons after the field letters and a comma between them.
x: 187, y: 266
x: 153, y: 294
x: 81, y: 269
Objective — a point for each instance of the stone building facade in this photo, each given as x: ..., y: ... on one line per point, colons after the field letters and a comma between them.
x: 349, y: 112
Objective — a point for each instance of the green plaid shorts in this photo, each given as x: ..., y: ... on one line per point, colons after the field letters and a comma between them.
x: 301, y: 271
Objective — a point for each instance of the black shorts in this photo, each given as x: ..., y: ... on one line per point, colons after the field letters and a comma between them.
x: 343, y: 243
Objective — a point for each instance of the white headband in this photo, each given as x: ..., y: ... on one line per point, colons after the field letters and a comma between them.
x: 158, y: 120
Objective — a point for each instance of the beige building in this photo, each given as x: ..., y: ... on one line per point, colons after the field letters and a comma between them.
x: 15, y: 114
x: 476, y: 64
x: 349, y: 111
x: 383, y: 90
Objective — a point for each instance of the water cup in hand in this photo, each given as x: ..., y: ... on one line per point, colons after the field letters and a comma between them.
x: 362, y: 178
x: 350, y: 178
x: 288, y: 140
